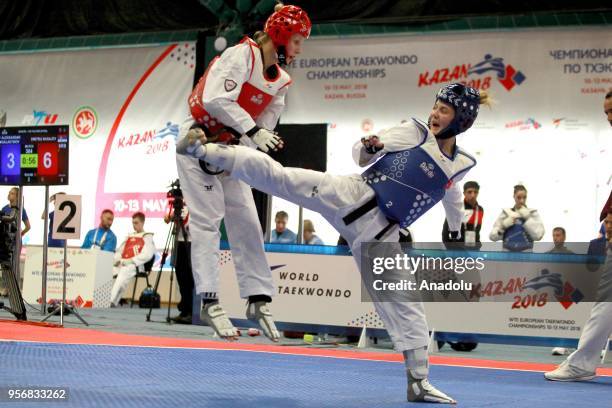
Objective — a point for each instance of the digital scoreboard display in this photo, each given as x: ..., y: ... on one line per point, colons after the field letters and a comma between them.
x: 34, y: 155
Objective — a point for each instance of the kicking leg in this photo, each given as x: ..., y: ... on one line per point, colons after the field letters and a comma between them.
x: 259, y: 170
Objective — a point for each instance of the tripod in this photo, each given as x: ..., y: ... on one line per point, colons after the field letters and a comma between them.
x: 8, y: 231
x: 59, y: 309
x: 176, y: 226
x: 16, y: 300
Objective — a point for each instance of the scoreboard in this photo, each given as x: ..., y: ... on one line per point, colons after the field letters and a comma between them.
x: 34, y: 155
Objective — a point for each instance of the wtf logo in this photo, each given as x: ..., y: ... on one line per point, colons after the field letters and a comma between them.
x: 427, y: 169
x: 257, y: 99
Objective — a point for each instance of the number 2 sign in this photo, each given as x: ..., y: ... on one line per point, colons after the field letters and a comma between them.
x: 67, y: 218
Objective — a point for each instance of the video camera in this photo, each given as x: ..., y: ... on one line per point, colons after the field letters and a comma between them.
x: 8, y: 237
x: 175, y: 196
x: 8, y: 232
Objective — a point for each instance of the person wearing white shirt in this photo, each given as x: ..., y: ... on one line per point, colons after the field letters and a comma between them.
x: 137, y: 249
x: 518, y: 226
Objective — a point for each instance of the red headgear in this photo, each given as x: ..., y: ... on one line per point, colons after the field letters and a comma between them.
x: 289, y: 20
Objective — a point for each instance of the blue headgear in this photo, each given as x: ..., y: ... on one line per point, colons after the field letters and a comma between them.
x: 465, y: 100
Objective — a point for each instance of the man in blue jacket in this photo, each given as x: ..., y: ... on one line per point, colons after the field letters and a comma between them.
x: 102, y: 237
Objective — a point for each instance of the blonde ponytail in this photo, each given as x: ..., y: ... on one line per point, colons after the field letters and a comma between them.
x: 486, y: 99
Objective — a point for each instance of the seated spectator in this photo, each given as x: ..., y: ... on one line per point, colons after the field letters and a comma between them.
x: 13, y: 197
x: 137, y: 249
x: 102, y: 237
x: 472, y: 218
x: 518, y: 226
x: 281, y: 234
x: 309, y: 234
x: 53, y: 243
x: 558, y: 235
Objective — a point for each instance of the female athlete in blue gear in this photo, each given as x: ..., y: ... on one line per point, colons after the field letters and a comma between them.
x: 414, y: 166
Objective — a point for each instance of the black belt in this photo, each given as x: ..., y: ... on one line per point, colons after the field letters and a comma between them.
x: 363, y: 210
x: 360, y: 211
x: 384, y: 230
x: 204, y: 167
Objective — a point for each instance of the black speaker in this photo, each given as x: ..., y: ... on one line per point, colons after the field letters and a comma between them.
x: 305, y: 146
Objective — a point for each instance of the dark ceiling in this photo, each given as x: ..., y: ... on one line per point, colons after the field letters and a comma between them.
x: 21, y: 19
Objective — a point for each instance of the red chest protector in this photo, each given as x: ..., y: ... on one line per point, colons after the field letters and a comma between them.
x: 133, y: 246
x: 255, y: 95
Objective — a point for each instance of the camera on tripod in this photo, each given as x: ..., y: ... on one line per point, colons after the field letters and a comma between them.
x: 8, y: 240
x: 175, y: 196
x: 8, y: 233
x: 177, y: 219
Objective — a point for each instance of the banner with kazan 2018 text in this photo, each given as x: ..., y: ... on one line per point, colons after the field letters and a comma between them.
x: 124, y: 107
x: 546, y: 129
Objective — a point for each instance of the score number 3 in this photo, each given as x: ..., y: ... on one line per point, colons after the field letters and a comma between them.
x: 11, y: 160
x: 11, y: 157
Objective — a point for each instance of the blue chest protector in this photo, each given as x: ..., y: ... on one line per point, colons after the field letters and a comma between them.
x: 516, y: 238
x: 409, y: 182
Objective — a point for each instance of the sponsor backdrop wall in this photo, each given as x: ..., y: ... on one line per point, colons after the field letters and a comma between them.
x: 326, y: 290
x: 124, y: 107
x: 547, y: 129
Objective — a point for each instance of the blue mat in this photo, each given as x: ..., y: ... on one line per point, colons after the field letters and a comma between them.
x: 109, y: 376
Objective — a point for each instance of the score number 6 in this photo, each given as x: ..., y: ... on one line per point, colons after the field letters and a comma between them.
x: 47, y: 160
